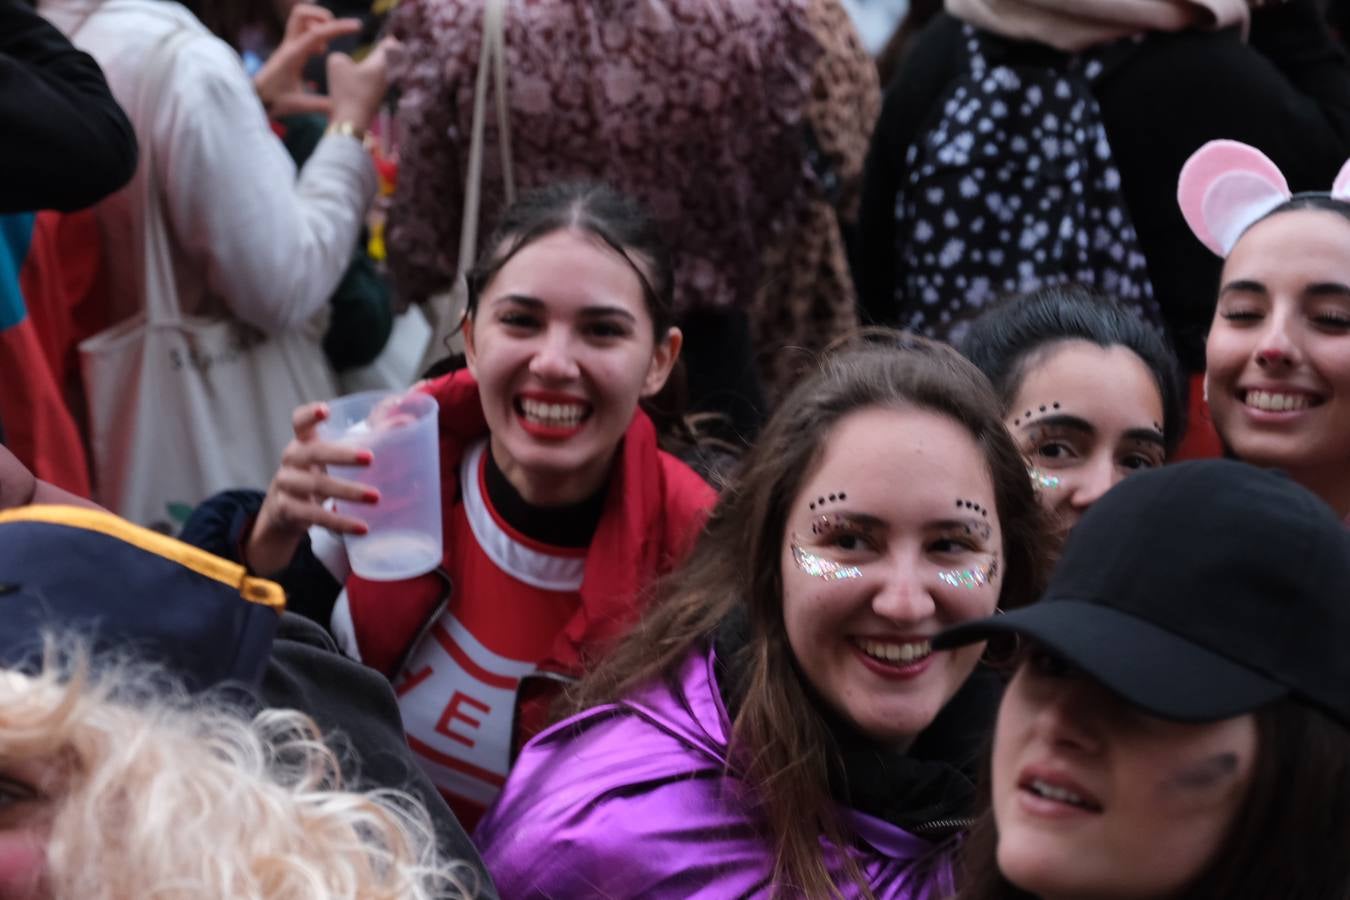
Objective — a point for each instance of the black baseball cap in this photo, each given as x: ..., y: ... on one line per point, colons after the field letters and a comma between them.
x: 1199, y: 591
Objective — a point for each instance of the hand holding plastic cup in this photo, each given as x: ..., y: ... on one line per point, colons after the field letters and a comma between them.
x: 400, y: 431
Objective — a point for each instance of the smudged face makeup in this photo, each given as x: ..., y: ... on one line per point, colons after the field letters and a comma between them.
x: 1086, y: 786
x: 910, y: 545
x: 1085, y: 417
x: 562, y: 347
x: 1278, y: 354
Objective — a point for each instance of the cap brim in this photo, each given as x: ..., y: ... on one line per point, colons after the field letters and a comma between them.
x: 1153, y: 669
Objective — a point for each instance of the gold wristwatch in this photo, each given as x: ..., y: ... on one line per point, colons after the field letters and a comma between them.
x: 345, y: 128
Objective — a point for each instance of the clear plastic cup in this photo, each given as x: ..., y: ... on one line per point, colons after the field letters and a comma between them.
x: 400, y: 430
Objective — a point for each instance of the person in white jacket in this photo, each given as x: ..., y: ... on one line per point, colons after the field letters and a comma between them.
x: 248, y: 240
x: 249, y: 236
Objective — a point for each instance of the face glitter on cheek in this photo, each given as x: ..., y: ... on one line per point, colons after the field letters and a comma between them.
x: 1041, y: 481
x: 970, y: 578
x: 822, y: 568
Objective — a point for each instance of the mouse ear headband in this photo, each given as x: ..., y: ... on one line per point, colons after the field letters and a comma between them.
x: 1227, y: 186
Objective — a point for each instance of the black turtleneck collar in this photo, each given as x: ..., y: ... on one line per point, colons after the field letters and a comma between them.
x: 571, y: 526
x: 928, y: 790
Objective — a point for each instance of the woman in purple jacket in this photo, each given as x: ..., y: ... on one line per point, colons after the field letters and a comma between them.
x: 780, y: 724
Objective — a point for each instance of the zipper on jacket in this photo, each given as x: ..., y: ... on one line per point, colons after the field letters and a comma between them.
x: 942, y: 827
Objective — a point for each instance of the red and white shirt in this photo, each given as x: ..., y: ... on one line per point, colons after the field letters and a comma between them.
x: 510, y: 598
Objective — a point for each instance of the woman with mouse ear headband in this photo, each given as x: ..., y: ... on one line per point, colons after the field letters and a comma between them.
x: 1286, y: 88
x: 1278, y: 352
x: 1179, y: 725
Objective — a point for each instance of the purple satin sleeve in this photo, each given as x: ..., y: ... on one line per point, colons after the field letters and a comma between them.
x: 634, y: 800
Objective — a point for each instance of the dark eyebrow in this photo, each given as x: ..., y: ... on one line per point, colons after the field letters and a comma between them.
x: 1327, y: 289
x: 597, y: 311
x: 604, y: 312
x: 1064, y: 420
x: 977, y: 528
x: 856, y: 520
x: 521, y: 299
x: 860, y: 518
x: 1244, y: 286
x: 1146, y: 436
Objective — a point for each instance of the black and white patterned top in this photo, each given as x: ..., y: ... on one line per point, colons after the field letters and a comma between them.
x: 1011, y: 188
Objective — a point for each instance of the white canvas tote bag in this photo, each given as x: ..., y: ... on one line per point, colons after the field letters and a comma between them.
x: 181, y: 407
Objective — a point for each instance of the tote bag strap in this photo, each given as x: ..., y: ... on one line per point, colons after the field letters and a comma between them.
x: 491, y: 60
x: 503, y: 112
x: 158, y: 285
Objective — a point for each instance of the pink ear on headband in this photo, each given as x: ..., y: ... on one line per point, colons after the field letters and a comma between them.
x: 1341, y: 189
x: 1226, y: 186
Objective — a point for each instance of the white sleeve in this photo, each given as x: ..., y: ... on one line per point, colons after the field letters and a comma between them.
x: 273, y: 246
x: 329, y: 550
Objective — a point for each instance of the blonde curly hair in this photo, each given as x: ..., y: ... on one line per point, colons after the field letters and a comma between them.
x: 151, y: 793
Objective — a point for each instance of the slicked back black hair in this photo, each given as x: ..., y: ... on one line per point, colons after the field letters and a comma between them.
x: 1006, y: 339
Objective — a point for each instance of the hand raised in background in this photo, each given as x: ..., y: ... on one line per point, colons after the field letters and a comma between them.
x: 357, y: 88
x: 279, y: 83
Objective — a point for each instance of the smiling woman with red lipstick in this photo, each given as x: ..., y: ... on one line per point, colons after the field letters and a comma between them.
x: 782, y: 701
x: 1179, y: 726
x: 558, y: 508
x: 1278, y: 355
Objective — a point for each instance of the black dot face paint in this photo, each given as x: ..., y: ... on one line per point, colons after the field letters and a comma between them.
x: 973, y: 507
x: 1203, y: 775
x: 820, y: 501
x: 1025, y: 418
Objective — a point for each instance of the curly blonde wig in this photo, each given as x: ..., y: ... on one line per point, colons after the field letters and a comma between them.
x: 149, y: 793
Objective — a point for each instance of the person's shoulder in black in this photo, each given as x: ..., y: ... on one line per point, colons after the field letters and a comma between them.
x: 67, y: 143
x: 923, y: 77
x: 356, y: 704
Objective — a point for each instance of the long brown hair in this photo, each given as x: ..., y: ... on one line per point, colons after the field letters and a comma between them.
x: 1288, y: 840
x: 779, y: 745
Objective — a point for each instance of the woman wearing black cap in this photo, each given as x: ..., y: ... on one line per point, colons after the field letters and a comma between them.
x: 1180, y: 724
